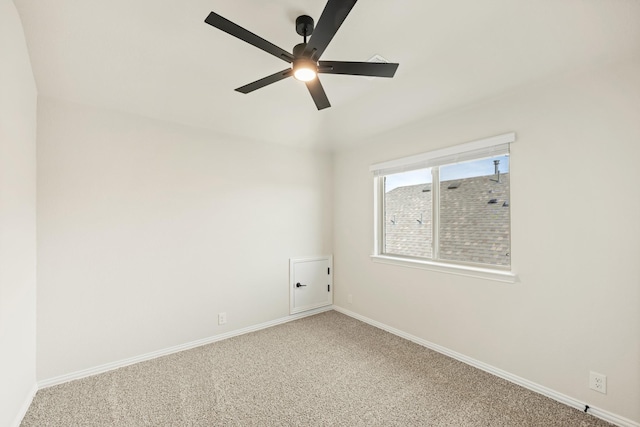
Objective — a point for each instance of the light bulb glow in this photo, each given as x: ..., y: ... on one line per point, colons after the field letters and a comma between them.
x: 304, y: 70
x: 304, y: 74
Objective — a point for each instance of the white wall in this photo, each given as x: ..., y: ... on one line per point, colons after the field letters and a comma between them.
x: 575, y: 207
x: 17, y: 219
x: 147, y: 229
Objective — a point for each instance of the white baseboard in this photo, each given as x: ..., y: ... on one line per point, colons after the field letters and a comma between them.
x: 164, y: 352
x: 25, y: 405
x: 545, y: 391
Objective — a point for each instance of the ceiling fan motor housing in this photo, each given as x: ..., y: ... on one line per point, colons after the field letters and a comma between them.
x: 298, y: 50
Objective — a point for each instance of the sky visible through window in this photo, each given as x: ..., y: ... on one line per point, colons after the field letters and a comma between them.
x: 481, y: 167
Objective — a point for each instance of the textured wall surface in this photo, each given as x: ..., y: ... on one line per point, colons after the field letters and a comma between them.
x: 17, y: 219
x: 147, y: 230
x: 574, y: 238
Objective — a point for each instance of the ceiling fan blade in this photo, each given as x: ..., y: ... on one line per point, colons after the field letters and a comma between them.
x: 317, y: 93
x: 333, y: 15
x: 374, y: 69
x: 237, y: 31
x: 280, y: 75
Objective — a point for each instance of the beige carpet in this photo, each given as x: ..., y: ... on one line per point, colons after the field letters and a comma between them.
x: 328, y: 369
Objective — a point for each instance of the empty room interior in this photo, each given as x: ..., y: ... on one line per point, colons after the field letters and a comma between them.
x: 429, y: 214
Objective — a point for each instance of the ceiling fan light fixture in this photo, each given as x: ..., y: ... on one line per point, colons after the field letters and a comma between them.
x: 304, y: 70
x: 304, y: 62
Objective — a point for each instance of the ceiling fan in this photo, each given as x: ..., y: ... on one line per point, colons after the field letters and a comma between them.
x: 305, y: 59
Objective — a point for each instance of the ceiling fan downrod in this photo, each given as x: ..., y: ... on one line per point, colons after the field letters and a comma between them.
x: 304, y: 26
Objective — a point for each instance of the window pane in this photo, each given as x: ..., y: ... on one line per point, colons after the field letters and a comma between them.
x: 474, y: 212
x: 407, y: 213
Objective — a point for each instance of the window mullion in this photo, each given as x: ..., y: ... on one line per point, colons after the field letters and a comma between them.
x: 379, y: 214
x: 435, y: 213
x: 383, y: 215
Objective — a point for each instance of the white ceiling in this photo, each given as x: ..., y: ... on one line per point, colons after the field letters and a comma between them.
x: 159, y: 59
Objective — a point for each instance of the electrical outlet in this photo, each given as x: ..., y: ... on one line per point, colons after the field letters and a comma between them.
x: 222, y: 318
x: 598, y: 382
x: 350, y: 299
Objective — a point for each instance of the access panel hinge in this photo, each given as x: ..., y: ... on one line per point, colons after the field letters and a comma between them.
x: 328, y: 288
x: 328, y: 270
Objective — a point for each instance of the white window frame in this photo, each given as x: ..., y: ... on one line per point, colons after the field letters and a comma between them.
x: 486, y: 147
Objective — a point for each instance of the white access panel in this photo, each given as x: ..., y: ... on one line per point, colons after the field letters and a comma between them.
x: 310, y: 283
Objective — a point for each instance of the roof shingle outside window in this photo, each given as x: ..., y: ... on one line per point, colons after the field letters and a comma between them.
x: 471, y: 228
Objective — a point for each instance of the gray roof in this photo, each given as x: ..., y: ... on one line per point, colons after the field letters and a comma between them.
x: 408, y: 221
x: 471, y: 228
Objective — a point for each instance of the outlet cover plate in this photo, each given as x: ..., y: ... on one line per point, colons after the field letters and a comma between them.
x: 222, y: 318
x: 598, y: 382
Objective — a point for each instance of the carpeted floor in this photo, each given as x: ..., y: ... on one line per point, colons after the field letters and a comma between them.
x: 327, y: 369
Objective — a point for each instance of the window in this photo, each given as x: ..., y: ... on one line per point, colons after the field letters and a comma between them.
x: 448, y: 208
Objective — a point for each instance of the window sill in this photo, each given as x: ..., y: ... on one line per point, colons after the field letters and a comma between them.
x: 460, y: 270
